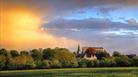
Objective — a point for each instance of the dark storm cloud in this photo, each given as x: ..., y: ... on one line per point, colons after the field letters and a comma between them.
x: 91, y: 23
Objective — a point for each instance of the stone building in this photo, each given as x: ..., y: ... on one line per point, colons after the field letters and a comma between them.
x: 89, y: 53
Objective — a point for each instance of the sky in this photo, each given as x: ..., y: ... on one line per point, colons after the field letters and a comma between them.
x: 111, y: 24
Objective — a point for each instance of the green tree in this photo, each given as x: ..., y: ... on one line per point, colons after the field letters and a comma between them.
x: 48, y: 53
x: 36, y: 54
x: 122, y: 61
x: 101, y: 55
x: 21, y: 62
x: 44, y: 64
x: 65, y: 57
x: 83, y: 63
x: 55, y: 63
x: 108, y: 62
x: 3, y: 52
x: 135, y: 61
x: 116, y: 54
x: 2, y: 61
x: 14, y: 53
x: 96, y: 63
x: 90, y: 63
x: 24, y: 53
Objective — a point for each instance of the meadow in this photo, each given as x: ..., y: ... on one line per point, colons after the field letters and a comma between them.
x: 74, y: 72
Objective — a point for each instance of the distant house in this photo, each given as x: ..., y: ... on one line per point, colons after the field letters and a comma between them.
x: 89, y: 53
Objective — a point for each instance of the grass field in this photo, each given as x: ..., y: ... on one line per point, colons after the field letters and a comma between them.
x: 74, y: 72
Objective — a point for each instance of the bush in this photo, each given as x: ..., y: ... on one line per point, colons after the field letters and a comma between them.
x: 74, y: 64
x: 112, y: 62
x: 83, y: 63
x: 122, y: 61
x: 108, y: 62
x: 135, y: 61
x: 90, y: 63
x: 30, y: 65
x: 55, y: 63
x: 102, y: 63
x: 46, y: 64
x: 96, y: 63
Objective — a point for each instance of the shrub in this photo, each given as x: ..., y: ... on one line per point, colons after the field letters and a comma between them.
x: 122, y: 61
x: 45, y: 64
x: 83, y: 63
x: 55, y: 63
x: 135, y: 61
x: 96, y: 63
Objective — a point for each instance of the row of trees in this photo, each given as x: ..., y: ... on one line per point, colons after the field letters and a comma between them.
x: 114, y: 61
x: 59, y: 58
x: 37, y: 58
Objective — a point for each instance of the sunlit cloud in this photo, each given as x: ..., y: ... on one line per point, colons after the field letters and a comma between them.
x: 21, y: 29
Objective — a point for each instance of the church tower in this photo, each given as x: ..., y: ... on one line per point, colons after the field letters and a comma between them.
x: 78, y: 50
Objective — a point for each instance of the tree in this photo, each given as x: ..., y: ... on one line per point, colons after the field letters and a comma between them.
x: 90, y: 63
x: 108, y: 62
x: 21, y: 62
x: 36, y: 54
x: 101, y: 55
x: 4, y: 58
x: 96, y: 63
x: 24, y: 53
x: 2, y: 61
x: 112, y: 62
x: 65, y: 57
x: 3, y: 52
x: 46, y: 64
x: 14, y: 53
x: 122, y: 61
x: 55, y: 63
x: 48, y: 53
x: 102, y: 63
x: 135, y: 61
x: 83, y: 63
x: 116, y: 54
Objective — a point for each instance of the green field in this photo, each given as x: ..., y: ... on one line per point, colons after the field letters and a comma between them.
x: 74, y: 72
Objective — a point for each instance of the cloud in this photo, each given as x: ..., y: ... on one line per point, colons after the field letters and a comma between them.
x: 73, y: 29
x: 50, y: 30
x: 53, y: 8
x: 106, y: 10
x: 20, y: 28
x: 132, y: 21
x: 121, y: 32
x: 91, y: 23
